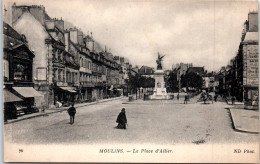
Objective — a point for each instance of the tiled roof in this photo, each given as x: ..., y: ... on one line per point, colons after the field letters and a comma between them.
x: 12, y: 39
x: 11, y: 43
x: 9, y: 31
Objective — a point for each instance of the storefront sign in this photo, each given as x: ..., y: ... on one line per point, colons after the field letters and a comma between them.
x: 62, y: 84
x: 41, y: 73
x: 250, y: 71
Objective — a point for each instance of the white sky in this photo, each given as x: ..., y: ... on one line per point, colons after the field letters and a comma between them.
x: 205, y: 33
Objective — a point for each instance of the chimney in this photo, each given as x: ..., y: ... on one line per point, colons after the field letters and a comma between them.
x: 253, y: 22
x: 246, y: 26
x: 67, y: 37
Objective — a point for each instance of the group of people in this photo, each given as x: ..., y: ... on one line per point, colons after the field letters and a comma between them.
x: 121, y: 118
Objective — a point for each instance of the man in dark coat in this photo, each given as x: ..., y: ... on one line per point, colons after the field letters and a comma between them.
x: 121, y: 120
x: 72, y: 111
x: 186, y: 99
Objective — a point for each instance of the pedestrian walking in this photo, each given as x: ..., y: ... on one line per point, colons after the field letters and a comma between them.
x: 233, y: 100
x: 186, y: 99
x: 72, y: 111
x: 204, y: 97
x: 178, y: 96
x: 215, y: 97
x: 121, y: 120
x: 225, y: 98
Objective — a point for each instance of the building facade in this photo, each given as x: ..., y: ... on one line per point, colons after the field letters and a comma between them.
x: 19, y: 94
x: 69, y: 66
x: 249, y: 51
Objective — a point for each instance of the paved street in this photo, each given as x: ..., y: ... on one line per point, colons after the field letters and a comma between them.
x: 158, y: 121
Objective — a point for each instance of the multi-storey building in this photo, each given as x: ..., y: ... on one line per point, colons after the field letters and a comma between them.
x: 68, y: 66
x: 17, y: 73
x: 248, y: 51
x: 146, y: 71
x: 180, y: 69
x: 240, y: 77
x: 51, y: 64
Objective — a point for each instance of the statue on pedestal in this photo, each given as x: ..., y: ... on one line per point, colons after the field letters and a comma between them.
x: 159, y: 62
x: 159, y: 91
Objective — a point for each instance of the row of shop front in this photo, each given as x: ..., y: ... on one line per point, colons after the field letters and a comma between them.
x: 26, y: 99
x: 19, y: 100
x: 66, y: 95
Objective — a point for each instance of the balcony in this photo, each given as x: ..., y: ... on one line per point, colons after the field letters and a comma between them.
x: 85, y: 70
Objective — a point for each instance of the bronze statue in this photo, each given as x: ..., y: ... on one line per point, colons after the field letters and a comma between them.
x: 159, y: 62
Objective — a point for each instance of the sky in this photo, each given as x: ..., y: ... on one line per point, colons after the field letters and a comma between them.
x: 205, y: 33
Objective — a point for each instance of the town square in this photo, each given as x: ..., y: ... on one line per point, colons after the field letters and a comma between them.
x: 167, y: 73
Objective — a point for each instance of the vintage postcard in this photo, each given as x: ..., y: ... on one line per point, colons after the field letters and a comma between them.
x: 130, y: 81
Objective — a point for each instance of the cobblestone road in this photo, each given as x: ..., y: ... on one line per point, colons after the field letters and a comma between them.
x: 160, y: 121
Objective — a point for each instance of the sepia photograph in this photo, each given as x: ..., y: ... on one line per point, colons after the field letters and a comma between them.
x: 157, y: 81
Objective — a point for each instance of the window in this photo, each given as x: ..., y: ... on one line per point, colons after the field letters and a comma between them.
x: 6, y: 69
x: 60, y: 75
x: 59, y: 56
x: 72, y: 77
x: 68, y: 76
x: 63, y: 73
x: 55, y: 74
x: 76, y: 78
x: 80, y: 62
x: 55, y: 55
x: 21, y: 72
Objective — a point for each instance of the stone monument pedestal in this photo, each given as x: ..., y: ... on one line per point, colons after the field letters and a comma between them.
x: 159, y: 92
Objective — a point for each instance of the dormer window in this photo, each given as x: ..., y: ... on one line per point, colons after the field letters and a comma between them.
x: 24, y: 39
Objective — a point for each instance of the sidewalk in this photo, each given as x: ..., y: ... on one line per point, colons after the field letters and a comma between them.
x: 192, y: 100
x: 244, y: 120
x: 56, y: 110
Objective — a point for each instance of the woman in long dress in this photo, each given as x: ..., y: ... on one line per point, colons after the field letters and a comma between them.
x: 121, y: 120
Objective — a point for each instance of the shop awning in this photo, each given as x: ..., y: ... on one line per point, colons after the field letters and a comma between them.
x: 27, y: 92
x: 10, y: 97
x: 69, y: 89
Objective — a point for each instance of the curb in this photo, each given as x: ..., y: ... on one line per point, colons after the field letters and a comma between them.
x: 234, y: 127
x: 39, y: 115
x: 59, y: 110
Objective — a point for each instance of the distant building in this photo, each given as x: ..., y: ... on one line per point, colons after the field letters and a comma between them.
x: 146, y: 71
x: 181, y: 70
x: 211, y: 82
x: 198, y: 70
